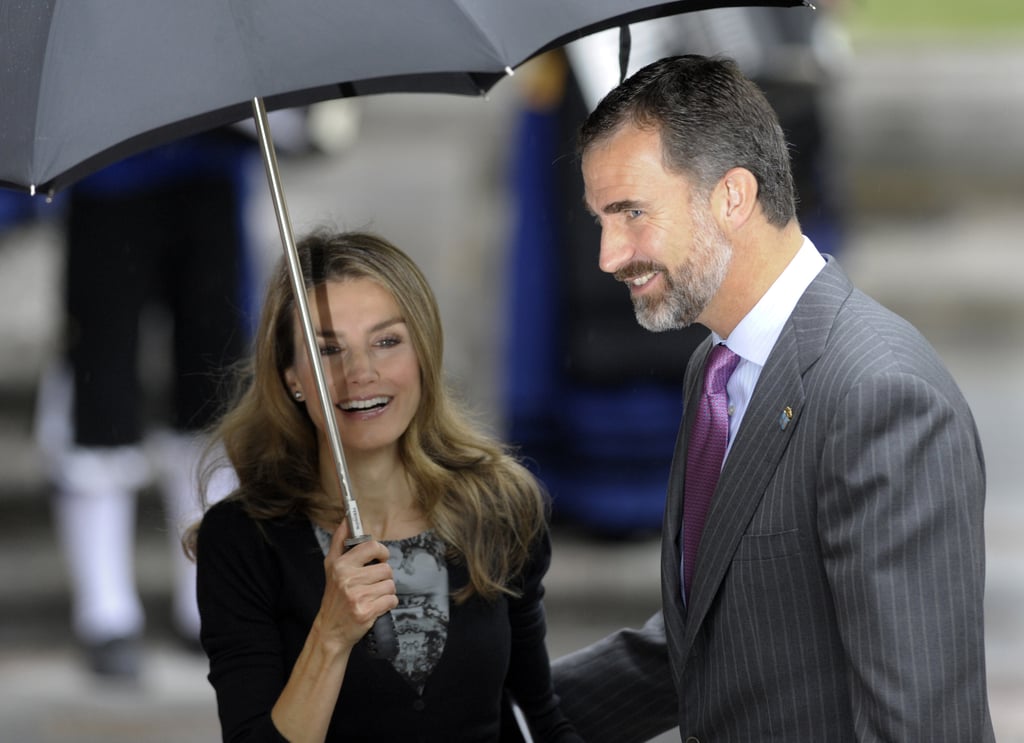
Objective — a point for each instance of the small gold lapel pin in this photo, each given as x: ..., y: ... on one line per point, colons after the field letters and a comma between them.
x: 785, y: 417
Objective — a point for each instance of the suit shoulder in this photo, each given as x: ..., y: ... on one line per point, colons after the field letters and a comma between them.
x: 866, y: 327
x: 868, y: 344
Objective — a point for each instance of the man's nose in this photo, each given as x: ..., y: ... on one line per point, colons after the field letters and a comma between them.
x: 615, y: 250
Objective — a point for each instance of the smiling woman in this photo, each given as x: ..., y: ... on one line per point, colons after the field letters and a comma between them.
x: 464, y: 540
x: 370, y: 365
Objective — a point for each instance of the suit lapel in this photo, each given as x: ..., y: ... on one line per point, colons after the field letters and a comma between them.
x: 761, y: 440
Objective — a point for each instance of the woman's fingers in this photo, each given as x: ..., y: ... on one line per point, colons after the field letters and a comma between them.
x: 341, y: 534
x: 338, y: 538
x: 366, y: 553
x: 360, y: 585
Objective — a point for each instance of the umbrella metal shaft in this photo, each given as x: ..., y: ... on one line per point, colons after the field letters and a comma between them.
x: 284, y: 225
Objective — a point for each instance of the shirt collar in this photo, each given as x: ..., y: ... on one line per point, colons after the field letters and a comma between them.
x: 755, y: 336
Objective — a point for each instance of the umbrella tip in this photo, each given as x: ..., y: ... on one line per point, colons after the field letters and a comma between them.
x: 32, y: 189
x: 509, y: 71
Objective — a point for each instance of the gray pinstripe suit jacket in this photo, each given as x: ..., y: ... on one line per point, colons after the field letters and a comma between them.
x: 839, y: 583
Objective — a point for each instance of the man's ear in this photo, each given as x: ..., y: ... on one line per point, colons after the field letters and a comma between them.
x: 734, y: 199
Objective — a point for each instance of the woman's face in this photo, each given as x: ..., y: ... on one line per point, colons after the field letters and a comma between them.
x: 370, y: 365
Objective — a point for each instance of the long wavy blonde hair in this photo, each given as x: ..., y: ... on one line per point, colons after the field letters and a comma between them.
x: 478, y: 498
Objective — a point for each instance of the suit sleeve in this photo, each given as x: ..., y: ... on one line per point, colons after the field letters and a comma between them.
x: 620, y: 690
x: 901, y: 526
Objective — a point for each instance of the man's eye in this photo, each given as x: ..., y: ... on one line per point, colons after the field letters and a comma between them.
x: 329, y: 350
x: 634, y: 213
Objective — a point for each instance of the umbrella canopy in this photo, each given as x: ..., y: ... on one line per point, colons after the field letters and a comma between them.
x: 84, y: 83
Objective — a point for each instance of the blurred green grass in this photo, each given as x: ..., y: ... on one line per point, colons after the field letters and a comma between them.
x: 946, y: 17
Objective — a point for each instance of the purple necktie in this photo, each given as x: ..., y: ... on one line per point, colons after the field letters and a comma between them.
x: 704, y: 453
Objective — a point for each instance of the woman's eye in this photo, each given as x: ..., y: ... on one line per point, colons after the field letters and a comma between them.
x: 388, y: 341
x: 329, y: 350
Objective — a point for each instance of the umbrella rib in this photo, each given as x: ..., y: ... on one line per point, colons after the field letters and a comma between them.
x: 497, y: 52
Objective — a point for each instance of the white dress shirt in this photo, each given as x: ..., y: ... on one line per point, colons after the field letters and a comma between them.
x: 755, y: 336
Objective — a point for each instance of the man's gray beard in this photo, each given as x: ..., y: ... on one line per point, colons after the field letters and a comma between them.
x: 690, y: 288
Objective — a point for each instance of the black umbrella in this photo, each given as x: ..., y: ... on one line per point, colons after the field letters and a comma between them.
x: 84, y: 83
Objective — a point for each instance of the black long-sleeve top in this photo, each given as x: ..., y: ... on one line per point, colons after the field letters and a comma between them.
x: 259, y: 589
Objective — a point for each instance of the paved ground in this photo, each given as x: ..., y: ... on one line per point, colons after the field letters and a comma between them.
x: 933, y: 242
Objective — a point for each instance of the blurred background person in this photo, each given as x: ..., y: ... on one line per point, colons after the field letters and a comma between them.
x: 154, y: 251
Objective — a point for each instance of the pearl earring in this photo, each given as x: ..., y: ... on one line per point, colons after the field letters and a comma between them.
x: 298, y: 395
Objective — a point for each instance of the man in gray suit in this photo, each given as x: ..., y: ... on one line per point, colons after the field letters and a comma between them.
x: 837, y: 586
